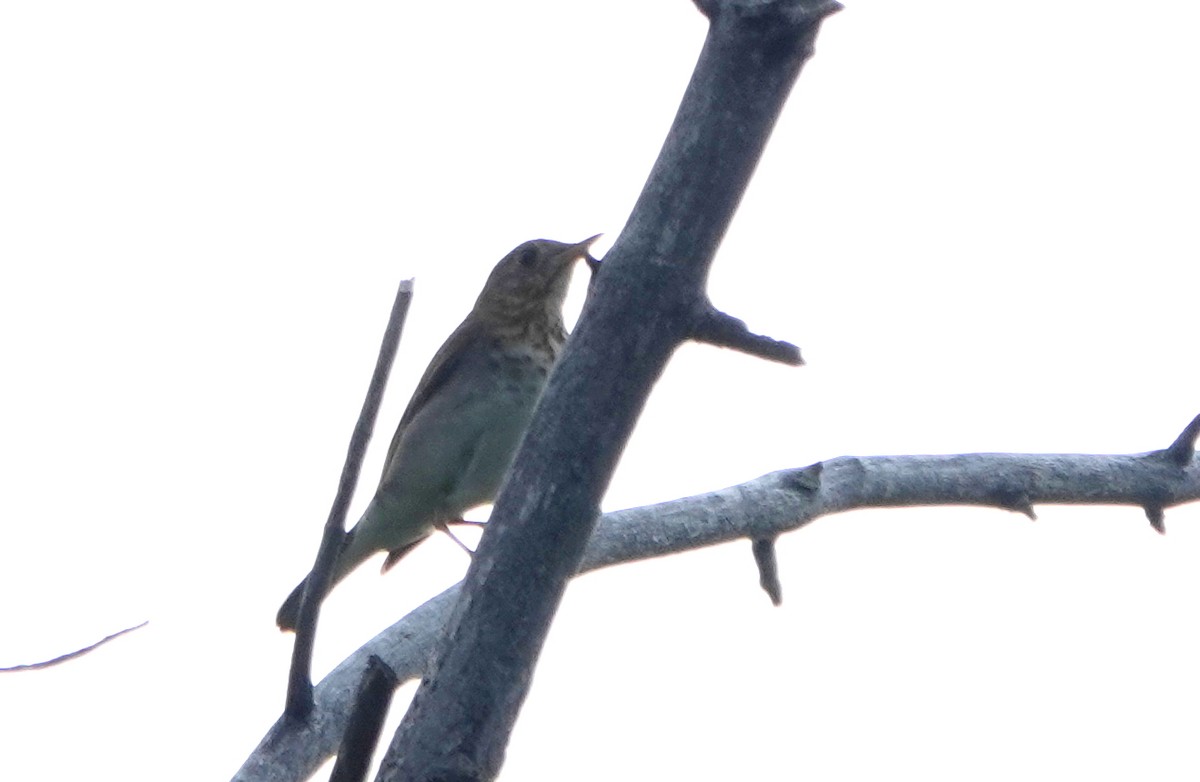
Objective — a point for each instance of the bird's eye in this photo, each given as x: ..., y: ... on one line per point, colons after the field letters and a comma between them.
x: 527, y: 256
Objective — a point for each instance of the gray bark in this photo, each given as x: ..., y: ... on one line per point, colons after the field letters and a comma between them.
x: 649, y: 297
x: 762, y: 508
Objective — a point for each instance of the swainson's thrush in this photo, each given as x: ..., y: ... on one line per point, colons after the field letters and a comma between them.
x: 464, y: 422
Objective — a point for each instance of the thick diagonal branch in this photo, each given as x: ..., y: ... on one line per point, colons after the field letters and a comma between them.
x: 638, y: 313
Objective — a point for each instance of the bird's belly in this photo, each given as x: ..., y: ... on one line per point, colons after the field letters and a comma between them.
x: 455, y: 453
x: 496, y: 445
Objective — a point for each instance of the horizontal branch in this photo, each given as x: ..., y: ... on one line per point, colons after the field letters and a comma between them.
x: 759, y: 509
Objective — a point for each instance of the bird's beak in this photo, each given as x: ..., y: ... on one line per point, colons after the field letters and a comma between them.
x: 582, y: 247
x: 581, y: 251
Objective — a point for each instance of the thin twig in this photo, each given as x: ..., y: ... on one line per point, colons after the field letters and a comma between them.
x: 72, y: 655
x: 299, y: 695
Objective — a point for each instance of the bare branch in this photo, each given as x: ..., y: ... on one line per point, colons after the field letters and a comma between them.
x: 768, y: 568
x: 1157, y: 520
x: 725, y: 331
x: 638, y: 312
x: 1017, y: 501
x: 366, y: 722
x: 299, y: 692
x: 762, y: 508
x: 1181, y: 451
x: 72, y: 655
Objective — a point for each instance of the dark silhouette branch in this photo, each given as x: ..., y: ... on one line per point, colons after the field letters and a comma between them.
x: 1157, y: 519
x: 72, y: 655
x: 371, y: 705
x: 640, y: 309
x: 725, y: 331
x: 768, y: 568
x: 763, y: 508
x: 299, y: 692
x: 1184, y: 448
x: 1178, y: 453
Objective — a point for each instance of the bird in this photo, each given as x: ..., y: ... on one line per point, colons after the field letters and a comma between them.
x: 460, y: 431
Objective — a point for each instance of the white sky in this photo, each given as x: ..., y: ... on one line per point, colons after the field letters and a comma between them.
x: 978, y: 220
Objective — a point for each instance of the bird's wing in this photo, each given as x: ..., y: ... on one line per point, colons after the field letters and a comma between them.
x: 446, y: 362
x: 396, y: 554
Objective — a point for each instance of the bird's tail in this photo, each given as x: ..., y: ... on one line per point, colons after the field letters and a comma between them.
x: 289, y: 612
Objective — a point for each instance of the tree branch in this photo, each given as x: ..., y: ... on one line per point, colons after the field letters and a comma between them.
x: 62, y: 658
x: 768, y: 568
x: 299, y: 692
x: 371, y: 705
x: 1184, y: 448
x: 725, y: 331
x: 762, y: 508
x: 638, y: 312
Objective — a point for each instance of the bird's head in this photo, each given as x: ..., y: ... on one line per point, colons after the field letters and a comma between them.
x: 532, y: 279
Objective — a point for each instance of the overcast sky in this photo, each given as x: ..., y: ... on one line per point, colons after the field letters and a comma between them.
x: 977, y: 220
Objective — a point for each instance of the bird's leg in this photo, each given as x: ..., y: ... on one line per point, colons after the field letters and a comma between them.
x: 444, y: 526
